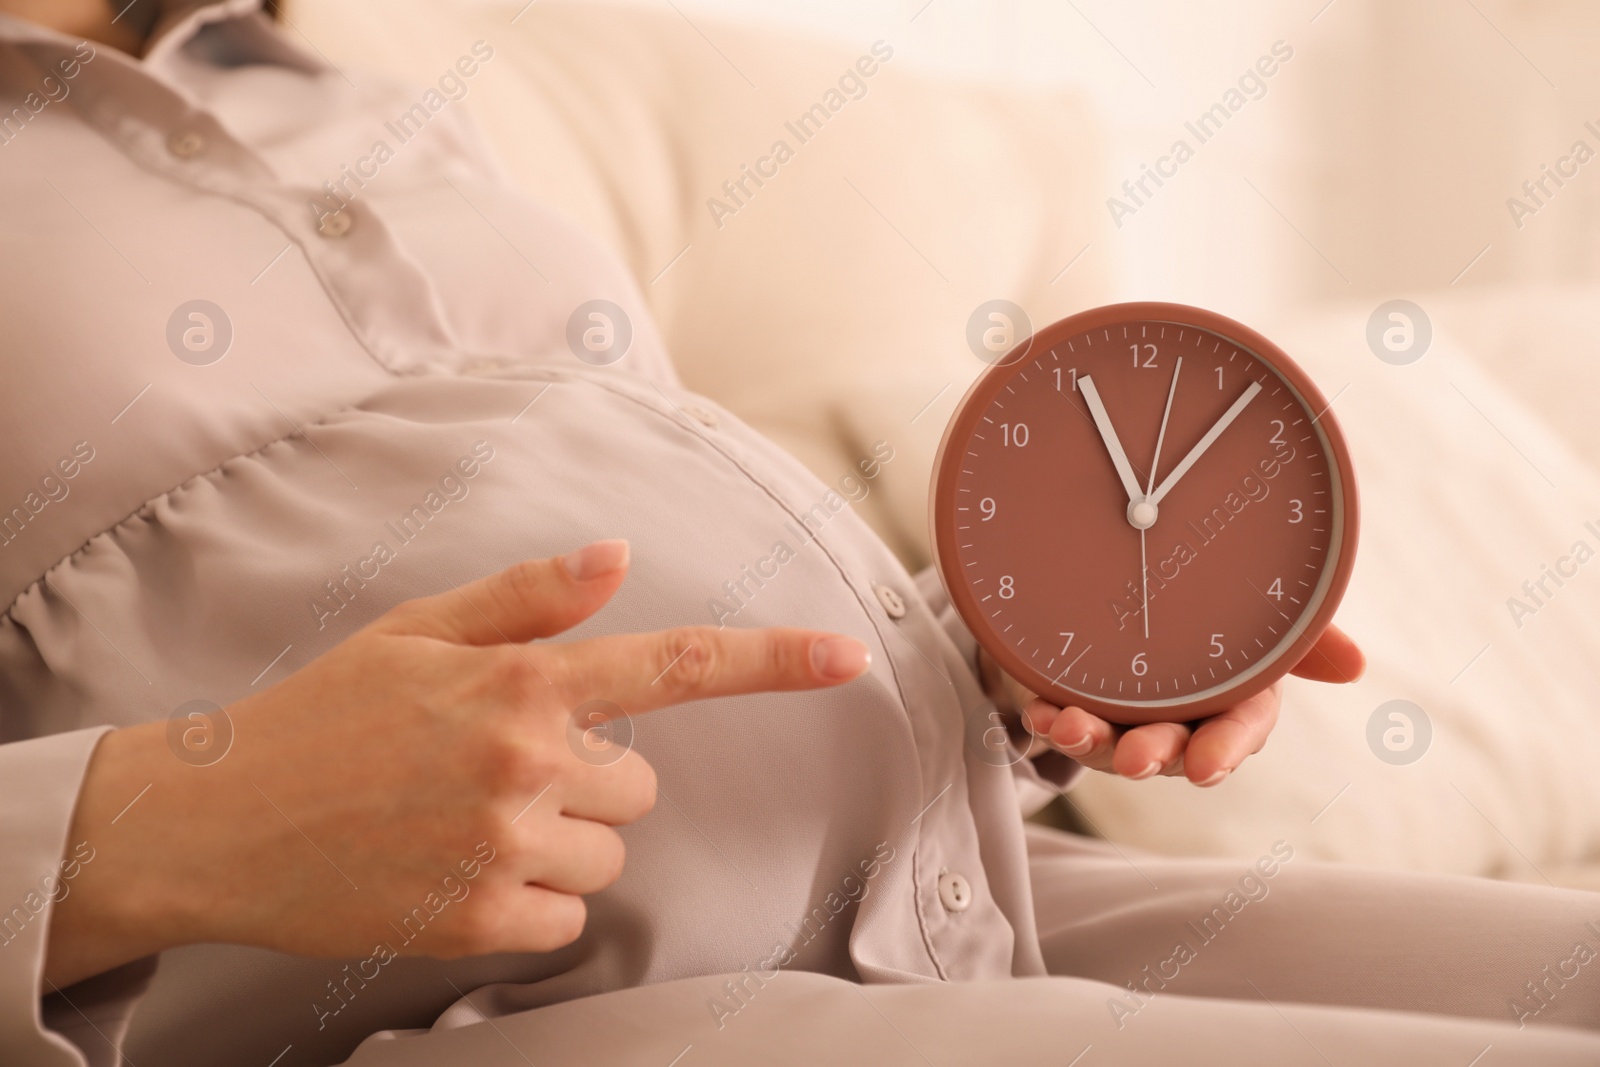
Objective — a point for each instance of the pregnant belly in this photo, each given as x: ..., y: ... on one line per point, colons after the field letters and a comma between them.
x: 231, y: 581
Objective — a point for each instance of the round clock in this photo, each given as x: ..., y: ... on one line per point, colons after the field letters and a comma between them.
x: 1145, y: 510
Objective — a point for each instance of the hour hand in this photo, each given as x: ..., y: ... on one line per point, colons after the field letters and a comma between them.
x: 1205, y: 442
x: 1108, y: 434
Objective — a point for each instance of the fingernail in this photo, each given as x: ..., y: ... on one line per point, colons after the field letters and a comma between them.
x: 591, y: 561
x: 1150, y: 768
x: 1079, y: 747
x: 1214, y: 779
x: 1039, y: 717
x: 838, y: 658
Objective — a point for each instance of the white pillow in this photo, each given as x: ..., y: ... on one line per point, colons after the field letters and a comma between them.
x: 1539, y: 340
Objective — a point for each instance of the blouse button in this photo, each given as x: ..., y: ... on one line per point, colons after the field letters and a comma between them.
x: 186, y: 144
x: 703, y: 416
x: 954, y: 892
x: 893, y: 603
x: 336, y: 224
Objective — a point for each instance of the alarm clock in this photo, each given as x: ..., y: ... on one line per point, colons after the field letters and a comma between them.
x: 1145, y: 510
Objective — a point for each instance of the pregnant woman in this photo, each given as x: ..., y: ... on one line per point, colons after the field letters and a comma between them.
x: 302, y: 474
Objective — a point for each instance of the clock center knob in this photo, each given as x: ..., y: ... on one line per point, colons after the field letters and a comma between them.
x: 1142, y: 514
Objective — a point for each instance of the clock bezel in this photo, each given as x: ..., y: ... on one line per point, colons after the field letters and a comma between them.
x: 1306, y: 628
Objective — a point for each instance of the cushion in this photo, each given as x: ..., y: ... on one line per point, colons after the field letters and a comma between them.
x: 827, y: 306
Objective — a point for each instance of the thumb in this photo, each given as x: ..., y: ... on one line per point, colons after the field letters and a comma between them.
x: 1334, y: 658
x: 534, y: 598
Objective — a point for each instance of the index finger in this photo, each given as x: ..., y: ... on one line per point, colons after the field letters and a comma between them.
x: 642, y: 672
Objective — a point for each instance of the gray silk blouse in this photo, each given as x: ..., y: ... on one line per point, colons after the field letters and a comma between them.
x: 281, y: 350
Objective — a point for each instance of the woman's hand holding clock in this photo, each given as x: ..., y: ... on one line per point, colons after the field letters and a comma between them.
x: 1205, y: 751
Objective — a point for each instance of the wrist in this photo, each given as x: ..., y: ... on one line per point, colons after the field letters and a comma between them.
x: 1004, y: 693
x: 989, y: 678
x: 120, y: 905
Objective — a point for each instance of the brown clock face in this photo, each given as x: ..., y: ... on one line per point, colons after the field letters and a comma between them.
x: 1145, y: 510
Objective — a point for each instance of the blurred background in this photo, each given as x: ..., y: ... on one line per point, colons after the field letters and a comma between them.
x: 1440, y: 152
x: 1391, y: 141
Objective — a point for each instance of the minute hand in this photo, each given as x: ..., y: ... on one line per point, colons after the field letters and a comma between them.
x: 1204, y: 443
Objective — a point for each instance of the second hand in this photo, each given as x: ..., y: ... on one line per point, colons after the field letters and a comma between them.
x: 1161, y: 436
x: 1144, y: 577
